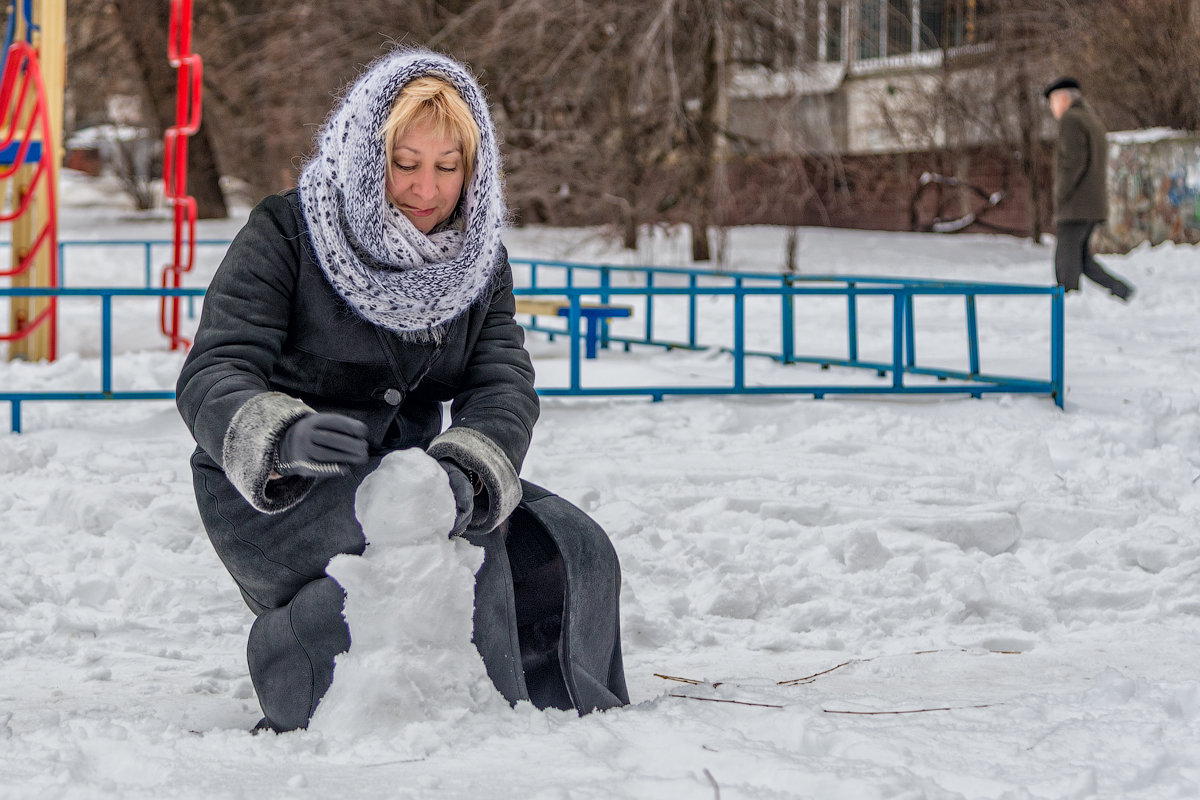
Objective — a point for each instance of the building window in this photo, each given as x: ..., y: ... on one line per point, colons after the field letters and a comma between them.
x: 870, y: 29
x: 883, y: 28
x: 899, y: 27
x: 948, y: 23
x: 829, y: 27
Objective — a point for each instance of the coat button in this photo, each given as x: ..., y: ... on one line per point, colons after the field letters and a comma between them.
x: 392, y: 397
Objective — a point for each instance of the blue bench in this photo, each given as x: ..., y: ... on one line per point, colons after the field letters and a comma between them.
x: 593, y: 313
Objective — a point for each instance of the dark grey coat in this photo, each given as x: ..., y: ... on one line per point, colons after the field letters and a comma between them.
x: 274, y: 343
x: 1081, y: 166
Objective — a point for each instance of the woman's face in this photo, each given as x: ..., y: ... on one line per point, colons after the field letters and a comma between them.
x: 425, y: 178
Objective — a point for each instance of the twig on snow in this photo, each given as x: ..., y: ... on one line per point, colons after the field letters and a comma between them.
x: 810, y: 678
x: 713, y: 781
x: 907, y: 711
x: 815, y: 675
x: 720, y: 700
x: 692, y: 681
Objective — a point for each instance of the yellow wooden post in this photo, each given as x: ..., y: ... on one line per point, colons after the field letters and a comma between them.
x: 50, y: 41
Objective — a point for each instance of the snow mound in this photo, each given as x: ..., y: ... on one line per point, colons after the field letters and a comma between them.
x: 412, y: 671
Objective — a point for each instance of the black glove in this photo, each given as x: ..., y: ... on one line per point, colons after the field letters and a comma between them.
x: 464, y: 496
x: 320, y: 445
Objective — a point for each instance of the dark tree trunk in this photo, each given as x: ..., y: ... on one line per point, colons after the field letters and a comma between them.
x: 1029, y: 156
x: 144, y: 25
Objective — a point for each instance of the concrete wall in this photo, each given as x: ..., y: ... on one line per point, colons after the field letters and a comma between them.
x: 1154, y: 184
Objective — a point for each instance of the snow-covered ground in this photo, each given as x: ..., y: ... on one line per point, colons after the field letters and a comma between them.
x: 852, y: 598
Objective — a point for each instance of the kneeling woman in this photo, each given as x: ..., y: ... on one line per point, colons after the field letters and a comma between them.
x: 342, y: 317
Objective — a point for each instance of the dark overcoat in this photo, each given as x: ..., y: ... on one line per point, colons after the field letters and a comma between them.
x: 1081, y: 166
x: 275, y: 342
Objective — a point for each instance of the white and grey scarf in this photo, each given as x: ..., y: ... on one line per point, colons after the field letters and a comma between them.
x: 390, y: 273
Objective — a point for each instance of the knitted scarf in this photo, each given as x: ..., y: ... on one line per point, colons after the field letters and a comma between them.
x: 390, y: 273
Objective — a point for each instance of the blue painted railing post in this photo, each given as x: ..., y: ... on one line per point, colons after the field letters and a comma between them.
x: 898, y: 338
x: 972, y: 335
x: 573, y: 324
x: 106, y: 343
x: 1057, y: 346
x: 15, y: 425
x: 739, y: 336
x: 149, y: 266
x: 649, y: 306
x: 788, y: 311
x: 910, y: 331
x: 533, y: 284
x: 604, y: 300
x: 852, y: 322
x: 692, y: 283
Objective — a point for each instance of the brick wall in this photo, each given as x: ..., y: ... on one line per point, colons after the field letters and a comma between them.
x: 884, y: 192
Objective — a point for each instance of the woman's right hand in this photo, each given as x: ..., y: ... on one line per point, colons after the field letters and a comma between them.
x: 322, y: 444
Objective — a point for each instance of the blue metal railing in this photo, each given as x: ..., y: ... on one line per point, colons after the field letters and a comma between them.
x: 571, y: 277
x: 903, y: 362
x: 577, y: 283
x: 105, y: 391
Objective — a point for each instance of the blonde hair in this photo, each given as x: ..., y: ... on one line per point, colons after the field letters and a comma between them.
x: 429, y: 101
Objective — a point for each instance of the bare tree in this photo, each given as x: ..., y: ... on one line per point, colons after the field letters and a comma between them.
x: 1138, y: 59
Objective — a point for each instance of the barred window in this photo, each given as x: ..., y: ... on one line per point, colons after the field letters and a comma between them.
x: 831, y: 29
x: 899, y: 27
x: 870, y: 29
x: 949, y: 23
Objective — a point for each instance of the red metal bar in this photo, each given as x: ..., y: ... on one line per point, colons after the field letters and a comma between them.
x: 17, y: 55
x: 28, y: 258
x: 22, y: 60
x: 188, y: 96
x: 30, y: 327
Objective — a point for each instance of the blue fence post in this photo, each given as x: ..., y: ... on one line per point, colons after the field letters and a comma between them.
x: 106, y: 343
x: 739, y: 335
x: 62, y: 263
x: 573, y: 322
x: 898, y: 305
x: 533, y: 284
x: 788, y: 311
x: 604, y: 299
x: 910, y: 331
x: 149, y: 268
x: 1057, y: 345
x: 693, y: 281
x: 15, y: 424
x: 972, y: 335
x: 852, y: 321
x: 649, y: 305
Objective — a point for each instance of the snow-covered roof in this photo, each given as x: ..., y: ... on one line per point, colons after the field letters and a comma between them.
x: 95, y: 135
x: 1145, y: 135
x: 819, y: 78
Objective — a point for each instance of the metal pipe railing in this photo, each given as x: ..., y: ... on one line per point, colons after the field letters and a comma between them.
x: 786, y: 291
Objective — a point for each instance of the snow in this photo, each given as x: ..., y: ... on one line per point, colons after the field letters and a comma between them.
x: 1022, y: 582
x: 1147, y: 135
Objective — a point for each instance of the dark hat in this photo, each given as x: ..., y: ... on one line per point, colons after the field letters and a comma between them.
x: 1060, y: 83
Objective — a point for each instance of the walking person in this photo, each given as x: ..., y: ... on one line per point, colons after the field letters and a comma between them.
x: 1080, y: 188
x: 344, y: 314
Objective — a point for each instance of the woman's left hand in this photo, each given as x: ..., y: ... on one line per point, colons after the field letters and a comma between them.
x: 464, y: 496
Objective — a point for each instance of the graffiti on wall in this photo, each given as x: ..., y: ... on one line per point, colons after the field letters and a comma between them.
x: 1154, y: 189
